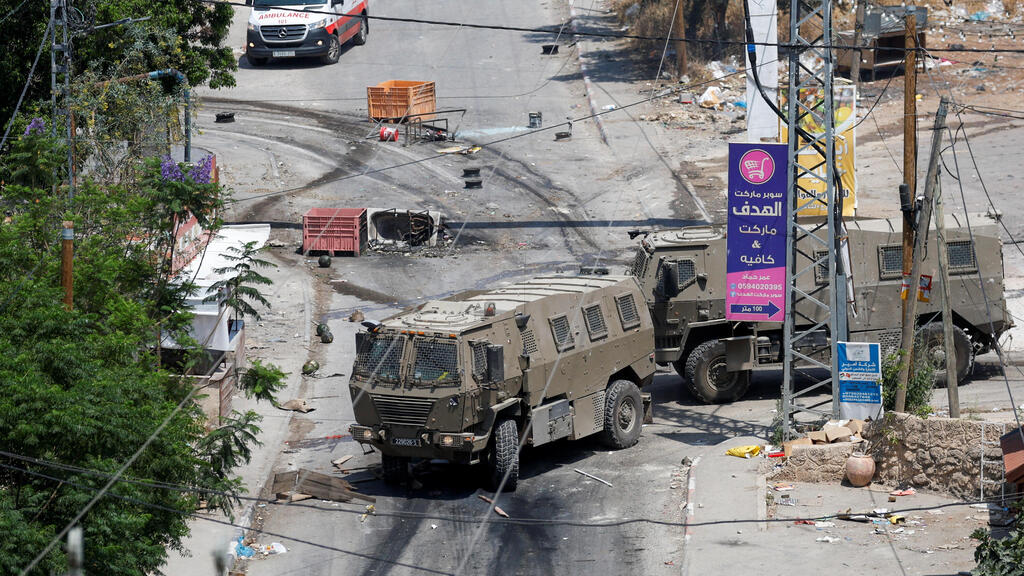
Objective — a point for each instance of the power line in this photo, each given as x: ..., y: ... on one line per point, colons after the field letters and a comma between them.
x: 12, y: 12
x: 550, y: 31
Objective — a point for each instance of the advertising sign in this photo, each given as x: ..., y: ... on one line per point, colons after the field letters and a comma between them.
x: 756, y: 243
x: 844, y: 105
x: 860, y: 375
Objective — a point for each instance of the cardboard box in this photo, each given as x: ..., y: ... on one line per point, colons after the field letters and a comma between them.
x: 787, y: 447
x: 838, y: 434
x: 856, y: 426
x: 818, y: 437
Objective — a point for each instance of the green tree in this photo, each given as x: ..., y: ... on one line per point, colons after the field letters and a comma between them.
x: 87, y: 387
x: 240, y: 290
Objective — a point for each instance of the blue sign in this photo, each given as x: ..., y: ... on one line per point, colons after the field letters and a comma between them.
x: 756, y: 242
x: 859, y: 361
x: 860, y: 392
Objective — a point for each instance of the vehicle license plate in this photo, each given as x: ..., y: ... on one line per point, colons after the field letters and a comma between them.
x: 283, y: 53
x: 405, y: 441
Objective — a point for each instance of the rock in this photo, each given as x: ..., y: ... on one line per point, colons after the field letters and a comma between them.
x: 356, y: 316
x: 327, y: 337
x: 324, y: 261
x: 297, y: 405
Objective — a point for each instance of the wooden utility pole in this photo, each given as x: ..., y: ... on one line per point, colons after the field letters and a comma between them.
x: 910, y: 304
x: 909, y: 188
x: 949, y: 341
x: 858, y: 36
x: 679, y: 31
x: 67, y: 251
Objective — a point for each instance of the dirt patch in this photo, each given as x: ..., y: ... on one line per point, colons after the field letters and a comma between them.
x: 367, y: 294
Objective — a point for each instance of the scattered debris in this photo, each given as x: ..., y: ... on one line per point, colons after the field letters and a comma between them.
x: 828, y: 539
x: 316, y: 485
x: 782, y: 487
x: 296, y: 405
x: 224, y: 117
x: 337, y: 463
x: 903, y: 492
x: 744, y: 451
x: 711, y: 98
x: 356, y: 316
x: 592, y: 477
x: 310, y: 367
x: 497, y: 510
x: 370, y: 510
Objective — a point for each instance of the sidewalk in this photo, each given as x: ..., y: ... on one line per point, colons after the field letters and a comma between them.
x: 727, y: 489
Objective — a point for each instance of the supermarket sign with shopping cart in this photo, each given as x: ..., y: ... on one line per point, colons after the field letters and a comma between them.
x: 756, y: 244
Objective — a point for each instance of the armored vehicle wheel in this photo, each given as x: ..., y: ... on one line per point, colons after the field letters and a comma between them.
x: 623, y: 414
x: 935, y: 350
x: 333, y: 50
x: 503, y: 455
x: 364, y: 30
x: 395, y: 468
x: 708, y: 378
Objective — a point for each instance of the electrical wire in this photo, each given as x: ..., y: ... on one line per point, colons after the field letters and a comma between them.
x: 28, y: 81
x: 12, y: 12
x: 550, y: 31
x: 485, y: 144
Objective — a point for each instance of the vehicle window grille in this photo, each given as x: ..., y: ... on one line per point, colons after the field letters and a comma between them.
x: 529, y: 342
x: 380, y: 357
x: 435, y: 360
x: 562, y: 333
x: 821, y: 269
x: 890, y: 262
x: 627, y: 311
x: 479, y: 360
x: 889, y: 341
x: 961, y: 257
x: 639, y: 267
x: 687, y: 272
x: 596, y: 326
x: 599, y: 410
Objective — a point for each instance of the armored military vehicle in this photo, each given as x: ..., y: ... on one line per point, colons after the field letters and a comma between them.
x: 683, y: 277
x: 465, y: 378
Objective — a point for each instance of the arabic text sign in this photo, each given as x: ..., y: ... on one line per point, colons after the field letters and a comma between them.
x: 756, y: 262
x: 860, y: 373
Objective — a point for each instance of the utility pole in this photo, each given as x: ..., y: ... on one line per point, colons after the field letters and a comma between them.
x: 949, y: 342
x: 680, y: 33
x: 858, y: 30
x: 67, y: 253
x: 908, y: 191
x: 910, y: 304
x: 60, y: 85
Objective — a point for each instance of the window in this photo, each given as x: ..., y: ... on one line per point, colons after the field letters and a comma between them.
x: 479, y: 360
x: 890, y: 261
x: 821, y: 270
x: 529, y: 342
x: 627, y: 311
x: 380, y: 357
x: 594, y: 318
x: 435, y: 361
x: 562, y: 333
x: 687, y: 272
x: 639, y: 262
x: 962, y: 259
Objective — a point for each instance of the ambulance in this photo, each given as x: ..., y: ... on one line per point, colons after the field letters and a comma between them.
x: 299, y: 28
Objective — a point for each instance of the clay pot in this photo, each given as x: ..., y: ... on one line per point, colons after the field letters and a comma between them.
x: 860, y: 468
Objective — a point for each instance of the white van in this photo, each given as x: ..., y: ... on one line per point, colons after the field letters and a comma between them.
x: 294, y: 28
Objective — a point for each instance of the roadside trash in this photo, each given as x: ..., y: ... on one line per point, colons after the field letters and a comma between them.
x: 807, y: 522
x: 824, y: 524
x: 828, y: 539
x: 497, y: 510
x: 744, y: 451
x: 272, y: 548
x: 897, y: 519
x: 297, y: 405
x: 785, y: 500
x: 898, y: 531
x: 903, y: 492
x: 224, y: 117
x: 433, y: 526
x: 356, y: 316
x: 310, y: 367
x: 592, y: 477
x: 342, y: 460
x: 880, y: 511
x: 388, y: 134
x: 782, y: 487
x: 711, y: 98
x: 979, y: 16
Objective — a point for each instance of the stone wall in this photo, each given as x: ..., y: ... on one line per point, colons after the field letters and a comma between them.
x: 937, y: 454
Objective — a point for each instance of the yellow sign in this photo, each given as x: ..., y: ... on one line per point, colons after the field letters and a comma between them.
x: 811, y: 186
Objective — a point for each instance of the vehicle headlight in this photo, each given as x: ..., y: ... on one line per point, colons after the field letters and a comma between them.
x: 253, y: 27
x: 318, y: 24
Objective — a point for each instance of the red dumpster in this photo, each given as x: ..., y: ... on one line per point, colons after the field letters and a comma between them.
x: 334, y: 230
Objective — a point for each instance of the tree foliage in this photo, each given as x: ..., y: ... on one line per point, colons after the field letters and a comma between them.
x: 87, y: 387
x: 1000, y: 556
x: 240, y: 290
x: 182, y: 34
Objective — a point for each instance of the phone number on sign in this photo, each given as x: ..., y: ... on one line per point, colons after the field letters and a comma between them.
x: 750, y: 286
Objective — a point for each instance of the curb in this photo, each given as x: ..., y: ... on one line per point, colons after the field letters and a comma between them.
x: 586, y: 78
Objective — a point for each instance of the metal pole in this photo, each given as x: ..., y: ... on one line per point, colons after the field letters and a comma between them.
x: 67, y: 251
x: 949, y: 341
x: 910, y: 310
x: 188, y: 125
